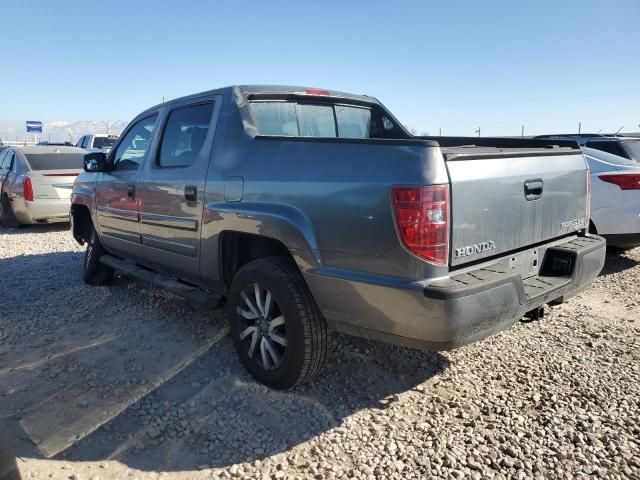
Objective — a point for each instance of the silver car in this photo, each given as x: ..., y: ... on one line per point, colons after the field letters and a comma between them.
x: 36, y: 183
x: 615, y: 197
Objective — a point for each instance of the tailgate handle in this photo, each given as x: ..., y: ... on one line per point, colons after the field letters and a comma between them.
x: 533, y: 189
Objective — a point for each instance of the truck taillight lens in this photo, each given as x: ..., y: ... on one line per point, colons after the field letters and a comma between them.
x: 626, y: 181
x: 27, y: 189
x: 422, y: 219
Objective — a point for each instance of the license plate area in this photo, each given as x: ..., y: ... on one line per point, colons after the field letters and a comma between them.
x: 527, y: 264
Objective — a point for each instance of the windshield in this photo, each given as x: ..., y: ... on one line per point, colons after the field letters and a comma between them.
x: 55, y: 161
x: 633, y: 149
x: 104, y: 142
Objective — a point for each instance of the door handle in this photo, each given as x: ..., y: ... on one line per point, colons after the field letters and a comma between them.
x: 131, y: 191
x: 533, y: 189
x: 191, y: 193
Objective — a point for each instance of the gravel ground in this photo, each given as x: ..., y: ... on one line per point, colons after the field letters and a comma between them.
x: 128, y: 381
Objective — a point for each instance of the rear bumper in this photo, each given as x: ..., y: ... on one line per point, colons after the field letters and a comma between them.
x: 464, y: 307
x: 43, y: 211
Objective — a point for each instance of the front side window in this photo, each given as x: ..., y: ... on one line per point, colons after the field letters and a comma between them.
x: 133, y: 148
x: 184, y: 135
x: 2, y: 156
x: 79, y: 142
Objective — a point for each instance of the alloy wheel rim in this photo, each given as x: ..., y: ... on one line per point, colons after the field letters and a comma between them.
x: 263, y: 329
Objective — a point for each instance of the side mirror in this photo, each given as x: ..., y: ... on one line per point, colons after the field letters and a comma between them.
x: 95, y: 162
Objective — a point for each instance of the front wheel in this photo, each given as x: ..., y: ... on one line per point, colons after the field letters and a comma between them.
x: 276, y: 326
x: 94, y: 272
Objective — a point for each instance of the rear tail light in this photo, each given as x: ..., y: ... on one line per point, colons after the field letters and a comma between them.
x: 626, y: 181
x: 27, y: 189
x: 422, y: 220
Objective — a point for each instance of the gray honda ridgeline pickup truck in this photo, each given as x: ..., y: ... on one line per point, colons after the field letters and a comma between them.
x: 309, y: 210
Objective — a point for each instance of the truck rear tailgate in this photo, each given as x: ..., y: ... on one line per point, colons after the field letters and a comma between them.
x: 502, y: 201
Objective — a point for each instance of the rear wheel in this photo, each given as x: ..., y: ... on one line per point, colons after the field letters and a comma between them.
x: 7, y: 218
x: 94, y: 272
x: 276, y: 326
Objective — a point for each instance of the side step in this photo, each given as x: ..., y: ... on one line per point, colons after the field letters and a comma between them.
x: 190, y: 292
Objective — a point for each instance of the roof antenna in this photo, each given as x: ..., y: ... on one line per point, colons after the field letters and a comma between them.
x: 616, y: 134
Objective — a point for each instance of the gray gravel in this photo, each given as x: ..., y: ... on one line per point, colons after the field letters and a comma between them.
x: 128, y: 381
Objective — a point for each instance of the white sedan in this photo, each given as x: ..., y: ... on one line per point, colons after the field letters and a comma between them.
x: 615, y: 198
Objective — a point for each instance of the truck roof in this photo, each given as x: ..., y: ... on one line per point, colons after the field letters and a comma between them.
x: 275, y: 89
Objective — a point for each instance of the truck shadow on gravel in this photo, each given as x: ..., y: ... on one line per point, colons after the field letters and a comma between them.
x: 616, y: 262
x: 135, y: 374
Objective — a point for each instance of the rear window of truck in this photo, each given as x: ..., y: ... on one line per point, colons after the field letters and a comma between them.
x: 104, y: 142
x: 55, y: 161
x: 311, y: 120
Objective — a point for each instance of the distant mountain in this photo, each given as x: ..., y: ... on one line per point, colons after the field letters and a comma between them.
x: 60, y: 131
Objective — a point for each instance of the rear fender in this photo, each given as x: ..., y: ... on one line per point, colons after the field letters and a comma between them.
x: 284, y: 223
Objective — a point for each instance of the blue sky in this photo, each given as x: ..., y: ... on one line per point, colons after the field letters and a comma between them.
x: 454, y: 65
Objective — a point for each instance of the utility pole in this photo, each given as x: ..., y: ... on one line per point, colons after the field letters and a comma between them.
x: 478, y: 131
x: 579, y: 127
x: 440, y: 132
x: 522, y: 133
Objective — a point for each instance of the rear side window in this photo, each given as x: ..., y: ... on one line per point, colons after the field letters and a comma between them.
x: 311, y: 120
x: 184, y: 135
x: 608, y: 146
x: 55, y: 161
x: 633, y: 150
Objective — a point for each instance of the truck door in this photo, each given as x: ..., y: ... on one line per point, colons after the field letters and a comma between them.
x: 171, y: 188
x: 117, y: 201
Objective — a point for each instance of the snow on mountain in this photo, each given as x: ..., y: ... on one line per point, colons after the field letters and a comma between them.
x: 62, y: 130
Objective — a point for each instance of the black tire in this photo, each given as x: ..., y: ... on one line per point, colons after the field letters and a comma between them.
x: 303, y: 326
x: 7, y: 218
x: 94, y: 272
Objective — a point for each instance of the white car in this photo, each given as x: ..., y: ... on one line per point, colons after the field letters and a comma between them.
x: 615, y: 198
x: 97, y: 142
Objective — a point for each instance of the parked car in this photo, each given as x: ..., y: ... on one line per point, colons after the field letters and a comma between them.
x: 36, y: 182
x: 310, y: 209
x: 625, y: 147
x: 97, y: 142
x: 615, y: 198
